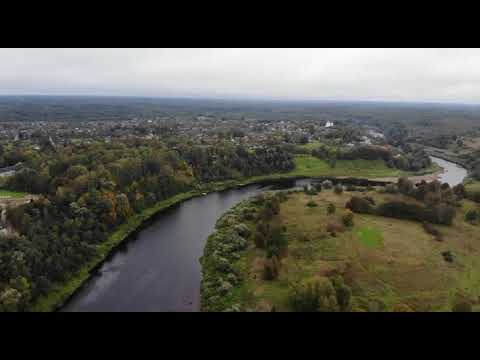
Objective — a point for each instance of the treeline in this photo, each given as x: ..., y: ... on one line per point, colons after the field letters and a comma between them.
x: 411, y: 159
x: 222, y: 273
x: 436, y: 202
x: 86, y: 191
x: 219, y: 163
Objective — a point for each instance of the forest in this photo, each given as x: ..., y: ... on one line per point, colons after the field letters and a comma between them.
x: 87, y: 190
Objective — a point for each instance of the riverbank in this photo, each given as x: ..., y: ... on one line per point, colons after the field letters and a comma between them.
x: 61, y: 293
x: 434, y: 173
x: 446, y: 155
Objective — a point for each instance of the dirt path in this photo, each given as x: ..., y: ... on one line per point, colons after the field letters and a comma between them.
x: 8, y: 201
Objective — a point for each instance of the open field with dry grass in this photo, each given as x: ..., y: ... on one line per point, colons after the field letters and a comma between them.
x: 386, y: 262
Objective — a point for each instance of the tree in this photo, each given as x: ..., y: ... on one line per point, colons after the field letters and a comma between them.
x: 10, y: 300
x: 462, y: 306
x: 343, y: 293
x: 347, y: 219
x: 472, y: 216
x: 313, y: 295
x: 405, y: 186
x: 327, y: 184
x: 122, y: 207
x: 331, y: 209
x: 75, y: 171
x: 460, y: 191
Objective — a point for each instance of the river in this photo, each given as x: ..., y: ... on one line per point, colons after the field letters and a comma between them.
x: 452, y: 174
x: 159, y: 269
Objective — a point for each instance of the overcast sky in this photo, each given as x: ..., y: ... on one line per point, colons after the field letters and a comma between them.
x: 443, y: 75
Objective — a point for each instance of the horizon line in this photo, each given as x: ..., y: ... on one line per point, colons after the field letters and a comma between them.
x: 248, y: 99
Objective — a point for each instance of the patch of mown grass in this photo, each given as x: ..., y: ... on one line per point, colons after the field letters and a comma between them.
x: 370, y: 237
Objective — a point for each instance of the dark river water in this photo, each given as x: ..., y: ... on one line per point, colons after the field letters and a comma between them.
x: 159, y: 269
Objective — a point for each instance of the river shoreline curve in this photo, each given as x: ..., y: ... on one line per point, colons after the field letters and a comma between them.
x: 60, y: 294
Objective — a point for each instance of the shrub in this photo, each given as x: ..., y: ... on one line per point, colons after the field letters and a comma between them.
x: 263, y: 227
x: 281, y: 196
x: 309, y: 190
x: 462, y: 306
x: 331, y: 209
x: 248, y: 214
x: 440, y: 214
x: 312, y: 203
x: 444, y: 214
x: 342, y: 292
x: 401, y: 210
x: 472, y: 216
x: 447, y: 256
x: 313, y: 295
x: 271, y: 268
x: 338, y: 189
x: 460, y: 191
x: 474, y: 196
x: 327, y: 184
x: 277, y: 242
x: 370, y: 200
x: 272, y: 204
x: 226, y: 220
x: 391, y: 189
x: 260, y: 240
x: 318, y: 187
x: 360, y: 205
x: 405, y: 186
x: 347, y: 219
x: 225, y: 287
x: 235, y: 241
x: 258, y: 199
x: 429, y: 229
x: 242, y: 230
x: 334, y: 227
x: 350, y: 187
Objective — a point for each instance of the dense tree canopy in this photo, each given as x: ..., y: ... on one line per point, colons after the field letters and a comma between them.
x: 87, y: 190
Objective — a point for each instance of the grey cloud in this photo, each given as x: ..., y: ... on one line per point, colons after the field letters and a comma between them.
x: 451, y: 75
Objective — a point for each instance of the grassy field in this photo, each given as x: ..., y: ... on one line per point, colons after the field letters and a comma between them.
x: 386, y: 262
x: 312, y: 166
x: 370, y: 237
x: 309, y: 166
x: 472, y: 186
x: 11, y: 194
